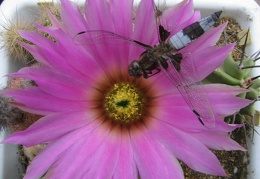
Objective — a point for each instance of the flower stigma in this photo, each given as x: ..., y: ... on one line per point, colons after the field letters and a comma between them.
x: 124, y: 103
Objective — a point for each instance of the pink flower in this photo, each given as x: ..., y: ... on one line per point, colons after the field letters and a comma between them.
x: 101, y: 123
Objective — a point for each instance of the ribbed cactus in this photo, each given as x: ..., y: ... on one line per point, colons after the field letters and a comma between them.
x: 10, y: 34
x: 237, y: 73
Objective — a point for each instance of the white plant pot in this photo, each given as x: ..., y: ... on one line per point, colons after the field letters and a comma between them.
x: 245, y: 12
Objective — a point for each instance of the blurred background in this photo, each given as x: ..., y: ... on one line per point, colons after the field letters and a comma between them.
x: 258, y: 1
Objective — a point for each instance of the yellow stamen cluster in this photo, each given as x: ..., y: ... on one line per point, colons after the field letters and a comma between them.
x: 124, y: 103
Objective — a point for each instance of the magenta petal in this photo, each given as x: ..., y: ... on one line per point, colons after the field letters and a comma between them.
x: 104, y: 50
x: 72, y: 18
x: 181, y: 117
x: 218, y: 141
x: 65, y: 57
x: 62, y: 86
x: 34, y: 50
x: 224, y: 89
x: 106, y: 156
x: 174, y: 110
x: 126, y: 9
x: 186, y: 120
x: 81, y: 68
x: 163, y: 87
x: 225, y: 103
x: 189, y: 149
x: 40, y: 165
x: 46, y: 55
x: 37, y: 39
x: 36, y: 101
x: 84, y: 62
x: 42, y: 48
x: 99, y: 16
x: 194, y: 18
x: 102, y: 15
x: 126, y: 168
x: 54, y: 21
x: 85, y: 155
x: 209, y: 59
x: 55, y: 124
x: 174, y: 100
x: 71, y: 159
x: 145, y: 19
x: 178, y: 17
x: 152, y: 159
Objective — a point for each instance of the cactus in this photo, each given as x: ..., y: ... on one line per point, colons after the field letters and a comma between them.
x: 237, y: 72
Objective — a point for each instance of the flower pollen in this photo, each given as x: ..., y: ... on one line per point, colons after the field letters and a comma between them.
x: 124, y: 103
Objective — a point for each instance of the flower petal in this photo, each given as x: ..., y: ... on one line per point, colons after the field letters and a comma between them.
x: 126, y: 168
x: 225, y: 103
x: 62, y: 86
x: 94, y: 148
x: 36, y: 101
x: 98, y: 15
x: 57, y: 125
x: 45, y: 54
x: 218, y: 142
x: 71, y: 159
x: 40, y: 165
x: 125, y: 9
x: 185, y: 120
x: 144, y: 21
x: 107, y: 49
x: 75, y: 57
x: 194, y: 18
x: 72, y: 18
x: 224, y: 89
x: 107, y: 153
x: 209, y: 59
x: 178, y: 17
x: 189, y: 149
x: 152, y: 159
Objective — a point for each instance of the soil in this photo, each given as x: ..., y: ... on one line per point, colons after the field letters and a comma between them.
x: 234, y: 162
